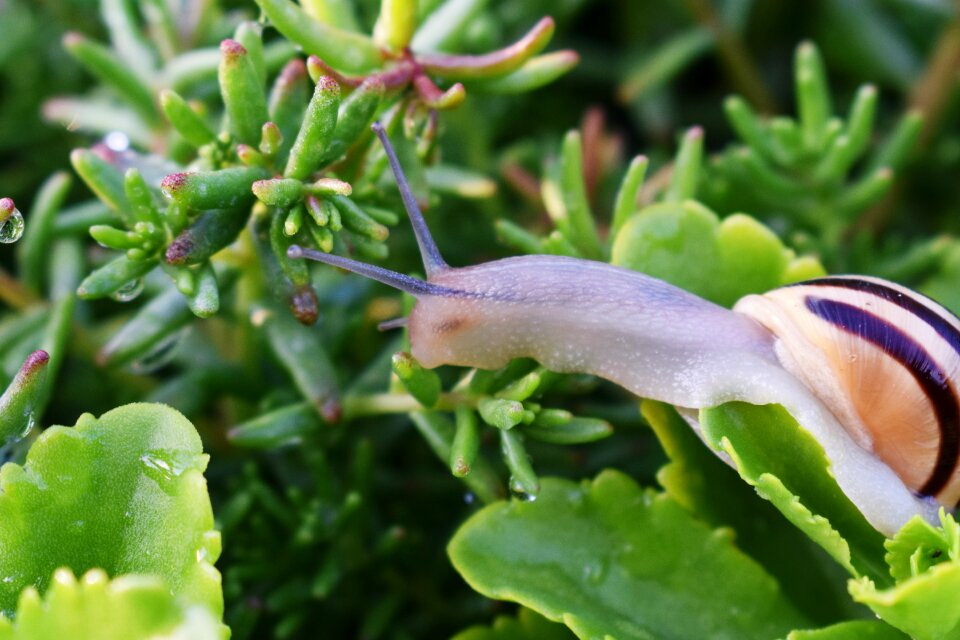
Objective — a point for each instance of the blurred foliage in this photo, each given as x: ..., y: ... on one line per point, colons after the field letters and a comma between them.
x: 333, y: 503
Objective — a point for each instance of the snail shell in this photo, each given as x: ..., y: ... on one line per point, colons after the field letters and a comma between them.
x: 865, y: 366
x: 885, y: 361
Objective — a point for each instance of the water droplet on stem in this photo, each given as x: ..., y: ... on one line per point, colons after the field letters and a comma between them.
x: 128, y: 291
x: 11, y: 229
x: 519, y: 492
x: 160, y: 354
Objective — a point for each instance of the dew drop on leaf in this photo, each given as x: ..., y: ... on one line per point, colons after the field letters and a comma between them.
x: 595, y: 572
x: 27, y: 427
x: 128, y: 291
x: 11, y: 229
x: 166, y: 465
x: 160, y: 354
x: 516, y: 488
x: 8, y: 446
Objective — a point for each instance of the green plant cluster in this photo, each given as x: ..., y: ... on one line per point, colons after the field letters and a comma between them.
x: 214, y: 136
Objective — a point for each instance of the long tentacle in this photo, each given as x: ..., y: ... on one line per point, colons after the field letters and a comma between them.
x: 396, y: 280
x: 432, y: 260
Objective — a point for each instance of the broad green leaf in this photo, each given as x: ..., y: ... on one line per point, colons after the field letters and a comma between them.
x: 919, y: 545
x: 925, y: 560
x: 713, y: 492
x: 611, y: 559
x: 926, y: 607
x: 527, y: 625
x: 856, y: 630
x: 686, y: 244
x: 800, y: 484
x: 131, y: 607
x: 124, y: 493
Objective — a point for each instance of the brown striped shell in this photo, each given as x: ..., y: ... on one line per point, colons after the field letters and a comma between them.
x: 885, y: 361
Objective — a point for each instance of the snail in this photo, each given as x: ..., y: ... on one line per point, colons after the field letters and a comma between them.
x: 867, y: 367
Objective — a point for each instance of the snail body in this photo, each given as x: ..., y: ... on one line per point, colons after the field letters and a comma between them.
x: 868, y: 368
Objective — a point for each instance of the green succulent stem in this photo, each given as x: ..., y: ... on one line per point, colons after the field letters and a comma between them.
x: 347, y: 50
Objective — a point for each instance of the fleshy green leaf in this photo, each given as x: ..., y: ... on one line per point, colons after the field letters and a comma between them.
x: 32, y: 250
x: 316, y: 131
x: 114, y: 275
x: 111, y: 70
x: 527, y: 625
x: 284, y: 426
x: 712, y: 491
x: 396, y: 24
x: 22, y: 398
x: 124, y: 493
x: 131, y: 607
x: 612, y: 560
x: 212, y: 189
x: 494, y: 63
x: 347, y: 51
x: 857, y: 630
x: 687, y: 245
x: 210, y: 232
x: 800, y: 485
x: 926, y: 607
x: 184, y: 119
x: 919, y: 545
x: 925, y: 561
x: 422, y: 384
x: 535, y: 73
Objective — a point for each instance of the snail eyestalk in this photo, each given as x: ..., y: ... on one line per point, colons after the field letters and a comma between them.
x: 432, y: 260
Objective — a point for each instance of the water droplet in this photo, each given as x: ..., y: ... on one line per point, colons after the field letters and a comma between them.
x: 519, y: 492
x: 128, y: 291
x: 11, y: 229
x: 161, y: 353
x: 28, y: 427
x: 164, y: 466
x: 595, y: 572
x: 469, y: 498
x: 8, y: 445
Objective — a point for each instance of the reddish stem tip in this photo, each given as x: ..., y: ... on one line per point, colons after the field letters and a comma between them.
x: 292, y: 72
x: 327, y: 83
x: 230, y: 47
x: 179, y: 250
x: 35, y: 361
x: 173, y: 182
x: 72, y: 38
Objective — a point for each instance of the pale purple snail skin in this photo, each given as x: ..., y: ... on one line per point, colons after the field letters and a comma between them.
x: 648, y: 336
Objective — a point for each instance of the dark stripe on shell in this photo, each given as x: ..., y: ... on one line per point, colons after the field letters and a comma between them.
x: 944, y: 328
x: 908, y: 352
